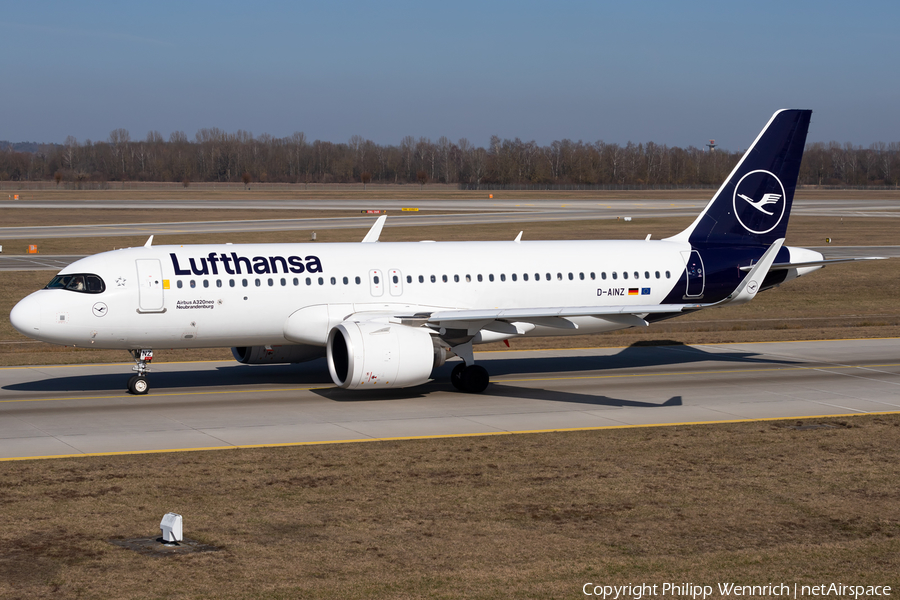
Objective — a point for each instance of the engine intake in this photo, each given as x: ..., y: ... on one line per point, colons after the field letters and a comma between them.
x: 378, y: 355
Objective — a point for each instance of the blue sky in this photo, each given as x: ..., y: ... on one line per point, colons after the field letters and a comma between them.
x: 676, y: 73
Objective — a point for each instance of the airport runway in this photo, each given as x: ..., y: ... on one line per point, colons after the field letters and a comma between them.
x: 82, y: 409
x: 508, y: 211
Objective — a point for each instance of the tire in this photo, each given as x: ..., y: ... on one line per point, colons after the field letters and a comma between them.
x: 138, y: 385
x: 475, y: 379
x: 456, y: 376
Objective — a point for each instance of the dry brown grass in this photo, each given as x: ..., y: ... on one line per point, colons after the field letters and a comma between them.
x: 534, y: 516
x: 403, y: 192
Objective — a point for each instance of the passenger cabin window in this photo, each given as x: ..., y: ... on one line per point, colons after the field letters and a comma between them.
x: 178, y: 284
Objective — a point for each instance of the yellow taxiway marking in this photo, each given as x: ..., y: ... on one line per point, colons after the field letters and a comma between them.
x: 445, y: 436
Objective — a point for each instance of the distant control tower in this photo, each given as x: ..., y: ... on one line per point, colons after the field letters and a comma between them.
x: 711, y: 145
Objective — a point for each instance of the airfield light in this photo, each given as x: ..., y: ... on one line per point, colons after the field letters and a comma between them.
x: 171, y: 526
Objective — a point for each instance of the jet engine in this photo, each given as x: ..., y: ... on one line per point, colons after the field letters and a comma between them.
x: 372, y: 355
x: 265, y: 355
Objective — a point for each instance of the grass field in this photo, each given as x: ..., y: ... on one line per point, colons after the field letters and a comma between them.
x: 400, y: 192
x: 524, y: 516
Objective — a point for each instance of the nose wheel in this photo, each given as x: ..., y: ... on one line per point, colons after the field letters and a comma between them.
x: 137, y: 384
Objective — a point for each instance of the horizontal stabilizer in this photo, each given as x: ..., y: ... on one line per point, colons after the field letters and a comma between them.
x: 815, y: 263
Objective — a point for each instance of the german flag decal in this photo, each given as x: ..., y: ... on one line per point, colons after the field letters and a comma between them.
x: 633, y: 292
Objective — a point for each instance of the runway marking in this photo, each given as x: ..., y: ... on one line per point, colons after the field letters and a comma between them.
x: 441, y: 436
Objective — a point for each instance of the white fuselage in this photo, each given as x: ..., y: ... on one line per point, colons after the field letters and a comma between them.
x: 243, y: 295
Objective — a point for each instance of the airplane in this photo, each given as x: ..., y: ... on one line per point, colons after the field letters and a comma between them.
x: 386, y: 314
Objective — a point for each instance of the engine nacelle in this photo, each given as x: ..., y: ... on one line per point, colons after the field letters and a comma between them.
x: 372, y: 355
x: 260, y: 355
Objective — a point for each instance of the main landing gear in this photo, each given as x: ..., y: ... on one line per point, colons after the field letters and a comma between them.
x: 467, y: 376
x: 137, y: 384
x: 472, y: 379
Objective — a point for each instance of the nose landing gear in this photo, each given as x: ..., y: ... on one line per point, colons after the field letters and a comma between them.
x: 137, y: 384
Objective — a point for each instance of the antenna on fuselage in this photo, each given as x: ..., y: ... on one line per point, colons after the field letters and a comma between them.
x: 149, y: 242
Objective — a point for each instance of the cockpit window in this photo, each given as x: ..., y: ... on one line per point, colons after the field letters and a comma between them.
x: 85, y: 283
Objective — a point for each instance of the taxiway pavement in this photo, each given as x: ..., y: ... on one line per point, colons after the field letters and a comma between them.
x: 83, y: 409
x: 457, y: 212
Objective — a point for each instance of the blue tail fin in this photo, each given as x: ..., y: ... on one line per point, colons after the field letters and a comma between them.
x: 753, y: 205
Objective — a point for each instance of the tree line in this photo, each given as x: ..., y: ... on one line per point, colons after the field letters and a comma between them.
x: 217, y: 156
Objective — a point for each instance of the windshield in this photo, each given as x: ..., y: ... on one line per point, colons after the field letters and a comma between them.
x: 78, y: 282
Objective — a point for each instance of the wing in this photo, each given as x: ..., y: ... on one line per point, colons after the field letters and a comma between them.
x: 510, y: 320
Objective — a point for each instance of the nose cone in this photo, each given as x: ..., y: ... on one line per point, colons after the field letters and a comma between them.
x: 26, y: 317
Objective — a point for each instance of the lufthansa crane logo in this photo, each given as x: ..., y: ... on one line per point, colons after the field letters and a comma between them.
x: 759, y: 201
